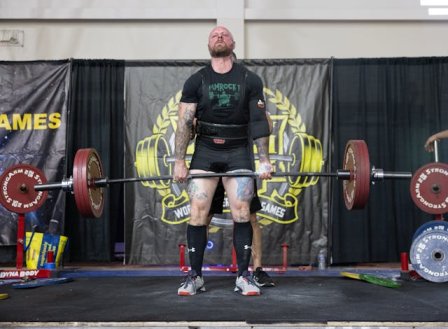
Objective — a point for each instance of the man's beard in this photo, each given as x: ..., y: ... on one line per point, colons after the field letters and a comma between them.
x: 220, y: 52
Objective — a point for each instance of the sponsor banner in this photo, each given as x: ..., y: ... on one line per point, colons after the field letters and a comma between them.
x: 33, y: 115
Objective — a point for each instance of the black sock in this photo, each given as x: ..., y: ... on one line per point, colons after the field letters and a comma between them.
x: 242, y: 241
x: 197, y: 241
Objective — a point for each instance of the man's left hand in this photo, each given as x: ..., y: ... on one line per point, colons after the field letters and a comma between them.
x: 265, y: 170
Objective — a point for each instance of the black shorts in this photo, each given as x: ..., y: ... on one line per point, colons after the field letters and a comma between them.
x: 221, y: 161
x: 218, y: 200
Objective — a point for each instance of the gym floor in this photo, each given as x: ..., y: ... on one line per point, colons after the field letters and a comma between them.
x: 136, y: 296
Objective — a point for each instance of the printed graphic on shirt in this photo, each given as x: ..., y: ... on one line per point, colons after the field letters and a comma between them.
x: 224, y: 95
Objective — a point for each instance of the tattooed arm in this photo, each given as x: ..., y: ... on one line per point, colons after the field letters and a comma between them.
x: 265, y: 167
x: 182, y: 138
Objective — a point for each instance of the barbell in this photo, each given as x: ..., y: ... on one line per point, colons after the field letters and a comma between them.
x: 24, y: 188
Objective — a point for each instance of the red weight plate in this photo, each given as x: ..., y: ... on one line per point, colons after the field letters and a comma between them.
x: 17, y: 188
x: 87, y: 168
x: 429, y: 188
x: 80, y: 185
x: 356, y: 159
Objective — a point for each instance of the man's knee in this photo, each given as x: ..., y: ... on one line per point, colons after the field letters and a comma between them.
x: 199, y: 217
x: 241, y: 215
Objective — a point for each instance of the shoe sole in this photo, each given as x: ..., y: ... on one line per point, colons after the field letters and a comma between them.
x: 253, y: 293
x: 186, y: 293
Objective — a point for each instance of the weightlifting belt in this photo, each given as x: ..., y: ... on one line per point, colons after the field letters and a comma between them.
x: 222, y: 132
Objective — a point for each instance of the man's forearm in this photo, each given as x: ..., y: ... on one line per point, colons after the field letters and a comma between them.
x: 262, y: 144
x: 183, y: 132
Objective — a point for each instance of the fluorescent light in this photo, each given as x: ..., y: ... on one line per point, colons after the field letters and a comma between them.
x: 433, y: 2
x: 437, y: 11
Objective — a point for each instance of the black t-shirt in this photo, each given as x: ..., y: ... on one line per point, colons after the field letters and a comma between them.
x: 223, y: 98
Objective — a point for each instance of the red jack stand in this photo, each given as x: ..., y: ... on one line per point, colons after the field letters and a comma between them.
x: 405, y: 273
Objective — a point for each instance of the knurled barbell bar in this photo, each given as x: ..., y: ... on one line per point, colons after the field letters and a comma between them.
x: 24, y: 188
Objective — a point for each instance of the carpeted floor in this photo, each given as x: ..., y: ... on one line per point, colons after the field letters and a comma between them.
x: 295, y: 299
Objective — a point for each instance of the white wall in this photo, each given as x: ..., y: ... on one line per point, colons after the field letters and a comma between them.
x: 178, y: 29
x: 346, y: 39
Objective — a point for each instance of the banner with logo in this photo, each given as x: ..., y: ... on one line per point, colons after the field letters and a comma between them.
x: 33, y: 112
x: 295, y: 209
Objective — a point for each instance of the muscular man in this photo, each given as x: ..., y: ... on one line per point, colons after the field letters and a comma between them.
x: 227, y: 100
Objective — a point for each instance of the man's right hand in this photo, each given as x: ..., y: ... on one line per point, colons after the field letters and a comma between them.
x: 180, y: 172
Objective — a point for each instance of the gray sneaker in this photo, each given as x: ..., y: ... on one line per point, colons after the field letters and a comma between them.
x: 246, y: 286
x: 193, y: 283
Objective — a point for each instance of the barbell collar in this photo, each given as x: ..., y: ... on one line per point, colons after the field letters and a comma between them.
x: 65, y: 185
x: 343, y: 174
x: 378, y: 174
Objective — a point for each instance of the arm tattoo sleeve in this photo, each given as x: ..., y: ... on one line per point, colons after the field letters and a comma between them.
x: 263, y: 148
x: 184, y: 126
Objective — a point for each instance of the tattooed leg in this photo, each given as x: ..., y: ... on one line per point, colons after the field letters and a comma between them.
x: 240, y: 191
x: 200, y: 191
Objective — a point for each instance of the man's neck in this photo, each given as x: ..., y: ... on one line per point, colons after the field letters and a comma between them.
x: 222, y: 64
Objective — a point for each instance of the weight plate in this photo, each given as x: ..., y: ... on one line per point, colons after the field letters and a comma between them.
x: 431, y: 226
x: 429, y: 188
x: 309, y: 158
x: 87, y: 168
x: 356, y: 160
x: 317, y: 160
x: 141, y: 165
x: 300, y: 144
x: 429, y: 255
x: 17, y: 188
x: 297, y: 151
x: 153, y: 160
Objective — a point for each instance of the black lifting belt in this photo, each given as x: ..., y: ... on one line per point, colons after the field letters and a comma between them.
x: 224, y: 131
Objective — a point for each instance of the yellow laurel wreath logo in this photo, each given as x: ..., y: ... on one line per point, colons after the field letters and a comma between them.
x: 163, y: 122
x: 169, y: 110
x: 283, y: 104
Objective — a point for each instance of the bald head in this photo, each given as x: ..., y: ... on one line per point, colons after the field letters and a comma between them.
x: 220, y: 42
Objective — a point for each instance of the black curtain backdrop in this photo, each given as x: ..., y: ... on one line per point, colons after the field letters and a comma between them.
x: 96, y: 121
x: 394, y: 104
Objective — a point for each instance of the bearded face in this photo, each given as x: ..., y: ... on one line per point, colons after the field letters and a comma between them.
x: 220, y: 51
x: 220, y: 42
